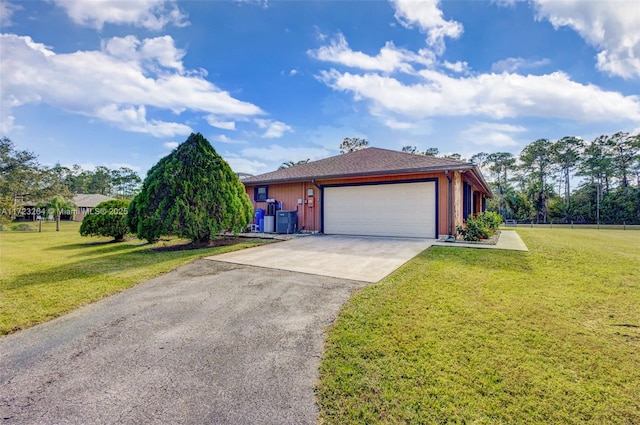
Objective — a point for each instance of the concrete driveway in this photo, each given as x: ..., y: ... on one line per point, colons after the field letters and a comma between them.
x: 367, y: 259
x: 209, y: 343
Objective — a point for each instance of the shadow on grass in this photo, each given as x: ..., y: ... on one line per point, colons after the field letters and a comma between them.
x: 90, y: 267
x: 90, y: 244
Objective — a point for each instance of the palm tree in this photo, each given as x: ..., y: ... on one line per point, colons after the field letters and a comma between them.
x: 57, y: 206
x: 292, y: 164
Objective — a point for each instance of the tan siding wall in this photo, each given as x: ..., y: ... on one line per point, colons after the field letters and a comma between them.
x: 288, y: 194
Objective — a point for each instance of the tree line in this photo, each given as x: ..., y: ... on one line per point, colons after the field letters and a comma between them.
x: 536, y: 185
x: 23, y: 178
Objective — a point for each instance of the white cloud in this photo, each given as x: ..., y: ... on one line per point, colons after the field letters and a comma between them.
x: 225, y: 139
x: 149, y: 14
x: 275, y: 129
x: 244, y: 165
x: 459, y: 67
x: 279, y: 154
x: 611, y: 26
x: 397, y: 125
x: 505, y: 3
x: 216, y: 122
x: 429, y: 18
x: 115, y: 84
x: 493, y: 95
x: 132, y: 118
x: 389, y: 59
x: 293, y: 72
x: 170, y: 145
x: 514, y: 64
x: 492, y: 134
x: 7, y: 10
x: 263, y: 3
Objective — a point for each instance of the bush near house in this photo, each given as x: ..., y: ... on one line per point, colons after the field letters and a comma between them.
x: 107, y: 219
x: 480, y: 226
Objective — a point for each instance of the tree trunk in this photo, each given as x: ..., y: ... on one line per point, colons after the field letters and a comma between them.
x: 57, y: 222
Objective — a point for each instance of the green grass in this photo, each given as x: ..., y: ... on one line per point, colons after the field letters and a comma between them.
x: 44, y: 275
x: 494, y: 337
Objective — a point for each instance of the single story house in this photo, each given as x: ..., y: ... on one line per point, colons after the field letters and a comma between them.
x: 87, y: 202
x: 84, y: 203
x: 375, y: 192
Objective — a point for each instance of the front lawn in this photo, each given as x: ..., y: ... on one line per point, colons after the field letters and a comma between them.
x: 494, y: 337
x: 44, y: 275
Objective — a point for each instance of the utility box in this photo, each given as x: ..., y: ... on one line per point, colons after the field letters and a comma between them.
x: 269, y: 224
x: 286, y: 221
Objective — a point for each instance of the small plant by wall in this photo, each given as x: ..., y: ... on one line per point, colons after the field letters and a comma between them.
x: 481, y: 226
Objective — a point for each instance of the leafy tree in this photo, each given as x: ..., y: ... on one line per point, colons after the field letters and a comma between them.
x: 414, y: 150
x: 567, y: 156
x: 107, y: 219
x: 537, y: 159
x: 455, y: 156
x: 520, y: 206
x: 11, y: 159
x: 431, y: 152
x: 54, y: 181
x: 100, y: 181
x: 190, y: 193
x: 57, y: 206
x: 289, y: 164
x: 351, y: 144
x: 124, y: 182
x: 16, y: 170
x: 500, y: 165
x: 625, y: 154
x: 597, y: 163
x: 479, y: 159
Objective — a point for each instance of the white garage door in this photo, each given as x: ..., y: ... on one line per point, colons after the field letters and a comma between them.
x: 401, y: 209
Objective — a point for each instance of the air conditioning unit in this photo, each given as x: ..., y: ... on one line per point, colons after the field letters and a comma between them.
x: 286, y: 221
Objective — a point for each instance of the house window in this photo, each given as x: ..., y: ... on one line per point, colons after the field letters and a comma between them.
x: 467, y: 200
x: 260, y: 194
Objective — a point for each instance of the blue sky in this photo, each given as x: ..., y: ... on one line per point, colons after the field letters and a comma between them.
x: 122, y: 83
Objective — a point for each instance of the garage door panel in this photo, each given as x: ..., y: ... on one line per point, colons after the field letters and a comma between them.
x: 402, y: 209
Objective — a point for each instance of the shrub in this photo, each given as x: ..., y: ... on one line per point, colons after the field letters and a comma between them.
x: 107, y: 219
x: 492, y: 220
x: 481, y: 226
x: 23, y: 227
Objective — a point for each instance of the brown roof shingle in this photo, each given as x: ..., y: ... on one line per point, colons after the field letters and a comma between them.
x: 369, y: 161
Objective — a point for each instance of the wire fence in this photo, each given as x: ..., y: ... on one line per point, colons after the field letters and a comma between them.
x: 570, y: 225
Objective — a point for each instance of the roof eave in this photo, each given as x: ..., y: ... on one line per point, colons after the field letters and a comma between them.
x: 453, y: 167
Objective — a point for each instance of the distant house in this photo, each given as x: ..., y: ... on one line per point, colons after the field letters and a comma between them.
x: 85, y: 203
x: 375, y: 192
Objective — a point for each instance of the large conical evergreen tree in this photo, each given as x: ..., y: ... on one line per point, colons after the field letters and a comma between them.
x: 190, y: 193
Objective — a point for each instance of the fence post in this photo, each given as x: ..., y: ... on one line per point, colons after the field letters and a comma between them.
x: 572, y: 224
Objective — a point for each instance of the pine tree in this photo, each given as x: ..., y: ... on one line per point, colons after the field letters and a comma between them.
x: 190, y: 193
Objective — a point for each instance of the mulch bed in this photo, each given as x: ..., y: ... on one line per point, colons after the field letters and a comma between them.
x: 224, y: 241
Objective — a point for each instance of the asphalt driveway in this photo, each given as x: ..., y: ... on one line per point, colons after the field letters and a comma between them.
x: 368, y: 259
x: 209, y: 343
